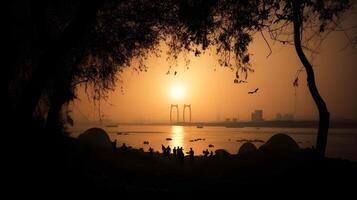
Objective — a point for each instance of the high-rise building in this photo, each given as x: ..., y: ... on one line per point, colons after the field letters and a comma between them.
x: 285, y: 117
x: 257, y: 116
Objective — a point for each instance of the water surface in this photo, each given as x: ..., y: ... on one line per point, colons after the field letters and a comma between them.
x: 342, y: 143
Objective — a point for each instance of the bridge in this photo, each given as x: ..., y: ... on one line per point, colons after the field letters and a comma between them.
x: 175, y: 107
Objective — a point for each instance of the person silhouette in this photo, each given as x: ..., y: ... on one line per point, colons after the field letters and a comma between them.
x: 205, y: 153
x: 174, y: 151
x: 163, y: 149
x: 151, y: 151
x: 192, y: 153
x: 211, y: 154
x: 168, y: 150
x: 124, y: 148
x: 181, y: 155
x: 114, y: 144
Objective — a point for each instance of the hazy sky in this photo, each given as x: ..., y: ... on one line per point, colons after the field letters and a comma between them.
x: 213, y: 96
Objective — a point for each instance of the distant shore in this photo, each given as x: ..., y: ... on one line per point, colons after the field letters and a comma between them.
x: 258, y: 124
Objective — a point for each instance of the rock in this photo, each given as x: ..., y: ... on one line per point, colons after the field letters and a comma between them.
x: 221, y: 152
x: 247, y: 148
x: 96, y: 138
x: 280, y: 143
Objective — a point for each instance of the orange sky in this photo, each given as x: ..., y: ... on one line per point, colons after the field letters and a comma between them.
x: 210, y: 90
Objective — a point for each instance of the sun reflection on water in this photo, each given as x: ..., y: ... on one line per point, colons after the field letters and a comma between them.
x: 177, y: 135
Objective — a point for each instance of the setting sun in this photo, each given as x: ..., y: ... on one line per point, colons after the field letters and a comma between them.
x: 177, y: 92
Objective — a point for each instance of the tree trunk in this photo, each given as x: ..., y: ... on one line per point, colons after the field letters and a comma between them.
x: 324, y: 115
x: 62, y: 92
x: 53, y: 123
x: 52, y: 57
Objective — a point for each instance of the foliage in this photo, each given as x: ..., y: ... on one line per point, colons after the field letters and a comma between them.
x: 127, y: 31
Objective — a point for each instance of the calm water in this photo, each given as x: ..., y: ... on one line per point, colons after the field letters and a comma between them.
x: 342, y: 143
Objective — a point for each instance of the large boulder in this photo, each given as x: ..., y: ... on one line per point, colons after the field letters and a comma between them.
x: 247, y: 148
x: 280, y: 143
x: 96, y: 138
x: 222, y: 152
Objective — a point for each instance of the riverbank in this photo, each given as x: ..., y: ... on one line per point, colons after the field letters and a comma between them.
x: 134, y: 171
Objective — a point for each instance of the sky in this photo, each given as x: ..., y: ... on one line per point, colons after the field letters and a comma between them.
x: 209, y: 88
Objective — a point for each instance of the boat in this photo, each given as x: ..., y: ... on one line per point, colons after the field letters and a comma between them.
x: 199, y: 126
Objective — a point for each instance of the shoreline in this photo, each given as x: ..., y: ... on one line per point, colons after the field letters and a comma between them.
x: 262, y: 124
x: 133, y: 171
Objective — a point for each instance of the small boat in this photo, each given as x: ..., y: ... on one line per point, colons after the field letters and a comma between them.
x: 168, y: 139
x: 146, y: 142
x: 210, y: 145
x: 199, y: 126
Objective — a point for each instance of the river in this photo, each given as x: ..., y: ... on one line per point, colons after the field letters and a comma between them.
x: 342, y: 143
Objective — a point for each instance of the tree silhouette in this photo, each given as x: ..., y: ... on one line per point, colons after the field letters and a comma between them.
x: 230, y: 25
x: 311, y: 19
x: 50, y: 51
x: 94, y: 40
x: 122, y: 31
x: 79, y: 42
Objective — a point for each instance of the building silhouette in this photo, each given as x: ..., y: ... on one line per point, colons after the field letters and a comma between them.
x: 284, y: 117
x: 257, y: 116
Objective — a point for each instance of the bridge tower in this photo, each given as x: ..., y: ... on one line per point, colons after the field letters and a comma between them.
x: 177, y: 112
x: 188, y: 106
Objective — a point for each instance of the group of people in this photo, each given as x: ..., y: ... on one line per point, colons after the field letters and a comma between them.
x: 166, y: 150
x: 206, y: 153
x: 177, y: 152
